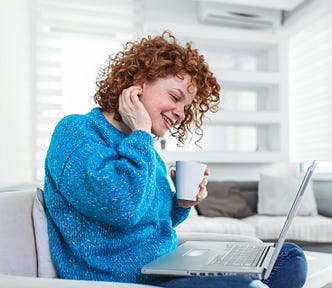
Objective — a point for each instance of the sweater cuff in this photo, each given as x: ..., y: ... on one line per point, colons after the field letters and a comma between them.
x: 142, y: 134
x: 179, y: 214
x: 139, y: 141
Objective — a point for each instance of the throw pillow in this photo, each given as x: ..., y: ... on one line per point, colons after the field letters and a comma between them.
x: 45, y: 265
x: 224, y: 200
x: 276, y: 195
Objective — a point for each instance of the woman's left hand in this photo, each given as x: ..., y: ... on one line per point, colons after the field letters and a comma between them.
x: 201, y: 195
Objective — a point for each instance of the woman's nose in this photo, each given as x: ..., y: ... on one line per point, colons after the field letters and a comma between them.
x: 179, y: 113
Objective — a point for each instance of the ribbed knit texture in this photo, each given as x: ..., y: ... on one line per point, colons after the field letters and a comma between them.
x: 109, y: 205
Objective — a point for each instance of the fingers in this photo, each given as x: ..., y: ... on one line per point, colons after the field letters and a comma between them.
x: 132, y: 110
x: 203, y: 183
x: 202, y: 194
x: 128, y: 100
x: 173, y: 175
x: 135, y: 99
x: 204, y: 180
x: 186, y: 203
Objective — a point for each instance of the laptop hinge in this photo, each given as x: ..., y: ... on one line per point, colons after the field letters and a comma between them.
x: 263, y: 256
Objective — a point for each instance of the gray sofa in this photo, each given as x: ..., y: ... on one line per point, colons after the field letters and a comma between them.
x: 19, y: 260
x: 310, y: 232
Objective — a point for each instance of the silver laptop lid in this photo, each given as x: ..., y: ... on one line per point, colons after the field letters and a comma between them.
x: 290, y: 216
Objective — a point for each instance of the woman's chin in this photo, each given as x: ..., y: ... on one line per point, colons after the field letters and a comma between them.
x: 159, y: 132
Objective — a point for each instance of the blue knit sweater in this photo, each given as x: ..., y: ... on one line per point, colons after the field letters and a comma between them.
x: 109, y: 205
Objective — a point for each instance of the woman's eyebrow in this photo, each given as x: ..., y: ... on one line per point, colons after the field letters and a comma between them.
x: 183, y: 96
x: 181, y: 92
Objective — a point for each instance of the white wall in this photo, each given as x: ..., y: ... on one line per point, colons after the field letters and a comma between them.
x: 16, y: 86
x: 15, y: 92
x: 248, y: 171
x: 183, y: 11
x: 186, y: 12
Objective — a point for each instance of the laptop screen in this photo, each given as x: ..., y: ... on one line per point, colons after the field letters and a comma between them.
x: 290, y: 217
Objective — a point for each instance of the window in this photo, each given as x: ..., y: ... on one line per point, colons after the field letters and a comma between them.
x: 74, y: 38
x: 310, y: 58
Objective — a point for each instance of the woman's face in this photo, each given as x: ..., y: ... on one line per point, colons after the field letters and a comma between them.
x: 166, y: 100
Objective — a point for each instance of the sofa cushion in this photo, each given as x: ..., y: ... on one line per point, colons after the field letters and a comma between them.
x: 323, y: 197
x: 248, y: 191
x: 276, y: 195
x: 224, y: 225
x: 45, y: 265
x: 201, y: 236
x: 224, y: 200
x: 311, y: 229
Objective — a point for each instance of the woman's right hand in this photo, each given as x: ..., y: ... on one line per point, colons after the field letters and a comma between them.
x: 202, y: 193
x: 132, y: 111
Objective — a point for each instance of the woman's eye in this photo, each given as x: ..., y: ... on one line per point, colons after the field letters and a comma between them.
x: 175, y: 98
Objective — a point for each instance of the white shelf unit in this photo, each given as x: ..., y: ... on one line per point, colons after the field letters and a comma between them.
x: 252, y: 69
x: 220, y: 157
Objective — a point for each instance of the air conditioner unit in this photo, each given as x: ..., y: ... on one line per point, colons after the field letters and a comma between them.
x: 239, y: 16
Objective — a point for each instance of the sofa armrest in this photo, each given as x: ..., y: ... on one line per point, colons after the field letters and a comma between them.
x: 17, y: 239
x: 8, y: 281
x: 199, y: 236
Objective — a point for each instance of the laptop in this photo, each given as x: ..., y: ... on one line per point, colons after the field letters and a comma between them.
x: 214, y: 258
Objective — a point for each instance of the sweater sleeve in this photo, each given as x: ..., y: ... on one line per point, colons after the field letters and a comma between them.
x: 179, y: 214
x: 112, y: 185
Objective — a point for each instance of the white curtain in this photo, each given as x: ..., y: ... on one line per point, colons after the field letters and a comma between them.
x: 73, y: 40
x: 310, y: 71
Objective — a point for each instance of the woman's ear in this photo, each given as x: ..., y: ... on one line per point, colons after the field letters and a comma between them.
x: 138, y: 81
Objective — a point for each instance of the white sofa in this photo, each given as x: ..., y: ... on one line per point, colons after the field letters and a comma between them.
x: 310, y: 232
x: 18, y: 253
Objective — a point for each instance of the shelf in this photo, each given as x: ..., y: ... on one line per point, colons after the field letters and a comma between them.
x: 248, y: 78
x: 223, y: 156
x: 244, y: 118
x: 252, y: 69
x: 253, y: 40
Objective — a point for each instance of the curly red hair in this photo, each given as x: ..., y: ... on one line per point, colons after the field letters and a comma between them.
x: 158, y: 57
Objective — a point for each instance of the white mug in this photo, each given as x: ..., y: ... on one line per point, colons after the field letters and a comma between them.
x: 188, y: 177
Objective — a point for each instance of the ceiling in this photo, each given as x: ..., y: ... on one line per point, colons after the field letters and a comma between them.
x: 287, y: 5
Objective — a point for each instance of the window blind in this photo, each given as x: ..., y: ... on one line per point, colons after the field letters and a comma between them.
x: 70, y: 36
x: 310, y: 71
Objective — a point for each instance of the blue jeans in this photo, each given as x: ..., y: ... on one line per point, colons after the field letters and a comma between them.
x: 290, y: 270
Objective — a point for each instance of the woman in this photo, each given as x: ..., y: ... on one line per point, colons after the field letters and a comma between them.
x: 110, y: 207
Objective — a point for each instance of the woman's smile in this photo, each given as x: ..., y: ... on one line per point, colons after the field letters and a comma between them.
x: 165, y: 100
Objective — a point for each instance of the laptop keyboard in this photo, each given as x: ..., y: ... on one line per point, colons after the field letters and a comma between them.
x: 239, y: 255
